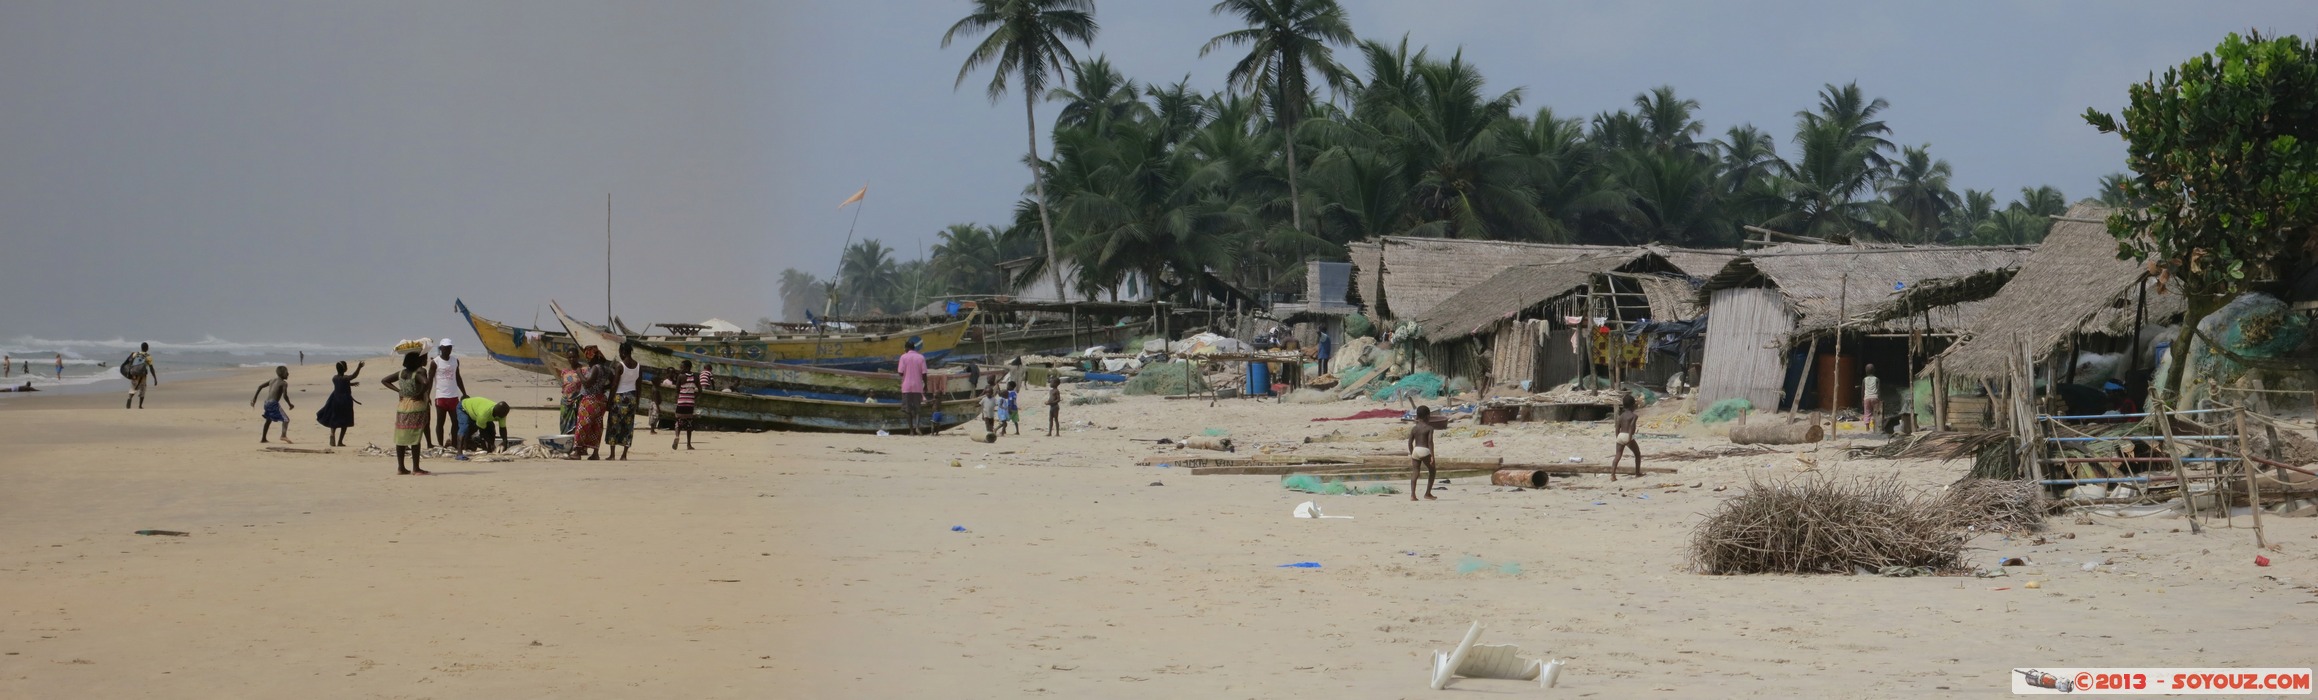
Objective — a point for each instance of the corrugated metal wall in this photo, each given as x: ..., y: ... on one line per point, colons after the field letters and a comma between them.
x: 1743, y: 343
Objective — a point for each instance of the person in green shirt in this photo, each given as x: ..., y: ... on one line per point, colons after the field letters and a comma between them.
x: 478, y: 416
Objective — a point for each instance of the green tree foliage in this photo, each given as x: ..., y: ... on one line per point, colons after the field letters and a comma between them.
x: 1029, y: 40
x: 1287, y: 41
x: 2224, y: 149
x: 800, y: 291
x: 1162, y: 185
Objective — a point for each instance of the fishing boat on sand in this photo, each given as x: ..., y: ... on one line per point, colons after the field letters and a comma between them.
x: 863, y: 351
x: 772, y: 396
x: 515, y: 346
x: 777, y: 379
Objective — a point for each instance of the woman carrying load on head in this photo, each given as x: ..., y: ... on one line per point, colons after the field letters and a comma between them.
x: 411, y: 387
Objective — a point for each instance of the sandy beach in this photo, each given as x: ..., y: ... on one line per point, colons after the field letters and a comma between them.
x: 806, y: 565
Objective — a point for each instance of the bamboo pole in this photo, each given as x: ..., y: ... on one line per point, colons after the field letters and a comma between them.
x: 1803, y: 379
x: 1841, y: 388
x: 2253, y: 480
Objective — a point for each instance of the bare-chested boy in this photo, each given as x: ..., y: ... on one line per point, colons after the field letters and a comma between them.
x: 277, y: 393
x: 1628, y: 421
x: 1421, y: 453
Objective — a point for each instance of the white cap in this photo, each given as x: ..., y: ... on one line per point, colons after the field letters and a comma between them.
x: 446, y: 342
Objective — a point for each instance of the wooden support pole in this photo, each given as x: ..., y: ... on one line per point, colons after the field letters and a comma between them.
x: 2173, y: 450
x: 1940, y: 393
x: 2253, y: 480
x: 1841, y: 388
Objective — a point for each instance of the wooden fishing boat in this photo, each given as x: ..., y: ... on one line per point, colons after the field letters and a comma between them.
x: 772, y: 378
x: 820, y: 410
x: 835, y: 350
x: 731, y: 410
x: 515, y: 346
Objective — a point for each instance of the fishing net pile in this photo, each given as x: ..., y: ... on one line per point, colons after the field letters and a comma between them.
x: 1422, y: 385
x: 1311, y: 484
x: 1173, y: 378
x: 1725, y: 411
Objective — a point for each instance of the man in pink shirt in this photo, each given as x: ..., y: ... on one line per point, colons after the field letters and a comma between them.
x: 913, y: 382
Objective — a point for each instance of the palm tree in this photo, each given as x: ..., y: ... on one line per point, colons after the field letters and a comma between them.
x: 2113, y: 191
x: 2013, y: 226
x: 1667, y: 122
x: 1978, y: 206
x: 1842, y: 157
x: 1026, y: 40
x: 2042, y: 201
x: 866, y: 277
x: 800, y: 292
x: 966, y: 260
x: 1286, y: 39
x: 1918, y: 189
x: 1097, y: 97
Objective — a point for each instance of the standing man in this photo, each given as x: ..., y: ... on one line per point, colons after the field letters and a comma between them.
x: 1870, y: 400
x: 138, y: 368
x: 1327, y: 350
x: 60, y: 366
x: 688, y: 385
x: 450, y: 386
x: 913, y: 382
x: 7, y: 365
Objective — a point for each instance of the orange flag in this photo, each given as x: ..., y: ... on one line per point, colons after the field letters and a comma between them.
x: 855, y: 198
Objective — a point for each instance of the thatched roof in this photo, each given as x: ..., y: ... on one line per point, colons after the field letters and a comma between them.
x: 1403, y: 277
x: 1823, y: 282
x: 1503, y: 296
x: 2073, y: 283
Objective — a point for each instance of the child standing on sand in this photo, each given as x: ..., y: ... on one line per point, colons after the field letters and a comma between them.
x: 1421, y: 453
x: 1053, y: 405
x: 1628, y: 421
x: 1013, y: 411
x: 990, y: 411
x: 277, y: 393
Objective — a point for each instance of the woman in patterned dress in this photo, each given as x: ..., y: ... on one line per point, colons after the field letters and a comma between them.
x: 570, y: 375
x: 411, y: 387
x: 595, y: 395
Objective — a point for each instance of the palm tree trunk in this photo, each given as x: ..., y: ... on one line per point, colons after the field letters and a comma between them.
x: 1295, y: 198
x: 1038, y: 180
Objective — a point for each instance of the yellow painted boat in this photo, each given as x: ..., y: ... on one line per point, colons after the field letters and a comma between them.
x: 515, y: 346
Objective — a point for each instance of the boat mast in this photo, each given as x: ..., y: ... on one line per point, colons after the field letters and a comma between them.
x: 608, y: 260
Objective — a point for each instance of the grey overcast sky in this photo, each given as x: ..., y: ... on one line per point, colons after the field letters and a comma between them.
x: 339, y: 172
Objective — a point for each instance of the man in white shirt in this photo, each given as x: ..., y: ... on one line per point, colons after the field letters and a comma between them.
x: 450, y: 387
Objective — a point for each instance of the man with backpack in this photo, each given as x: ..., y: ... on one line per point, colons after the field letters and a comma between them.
x: 138, y: 367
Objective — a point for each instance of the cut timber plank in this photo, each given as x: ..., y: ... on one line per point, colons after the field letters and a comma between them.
x: 1397, y: 475
x: 1558, y: 469
x: 301, y: 450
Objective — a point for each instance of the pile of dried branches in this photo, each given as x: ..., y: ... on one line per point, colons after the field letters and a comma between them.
x: 1997, y: 459
x: 1819, y: 523
x: 1715, y: 452
x: 1992, y: 505
x: 1939, y: 445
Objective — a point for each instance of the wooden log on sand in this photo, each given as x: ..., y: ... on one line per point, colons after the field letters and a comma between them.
x: 1776, y: 434
x: 1219, y: 444
x: 1524, y: 478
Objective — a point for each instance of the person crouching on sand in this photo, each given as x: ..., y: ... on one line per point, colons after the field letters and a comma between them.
x: 277, y: 393
x: 1628, y: 421
x: 410, y: 409
x: 1421, y: 453
x: 479, y: 416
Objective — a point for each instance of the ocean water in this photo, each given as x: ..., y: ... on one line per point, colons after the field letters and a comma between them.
x: 93, y: 365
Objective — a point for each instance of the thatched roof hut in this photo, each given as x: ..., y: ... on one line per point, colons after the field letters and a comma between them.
x: 1505, y: 296
x: 1823, y: 283
x: 1402, y: 277
x: 2072, y: 284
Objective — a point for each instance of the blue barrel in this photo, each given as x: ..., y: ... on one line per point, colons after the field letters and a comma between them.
x: 1259, y: 379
